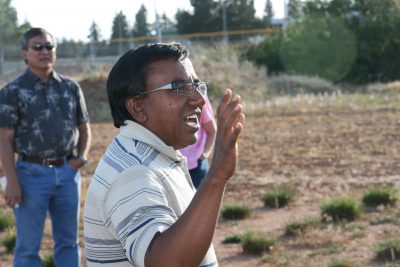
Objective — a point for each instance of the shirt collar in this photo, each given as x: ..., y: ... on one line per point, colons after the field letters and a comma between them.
x: 34, y: 79
x: 136, y: 131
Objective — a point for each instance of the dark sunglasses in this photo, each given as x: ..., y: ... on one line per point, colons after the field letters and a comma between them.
x: 39, y: 47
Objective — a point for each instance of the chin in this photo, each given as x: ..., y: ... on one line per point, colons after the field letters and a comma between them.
x: 188, y: 142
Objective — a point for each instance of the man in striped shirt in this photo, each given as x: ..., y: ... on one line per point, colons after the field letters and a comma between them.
x: 141, y: 207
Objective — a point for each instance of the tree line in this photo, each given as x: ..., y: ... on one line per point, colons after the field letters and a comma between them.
x: 351, y: 41
x: 207, y: 16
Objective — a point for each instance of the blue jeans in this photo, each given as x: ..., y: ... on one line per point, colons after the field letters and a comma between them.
x: 197, y: 174
x: 52, y: 190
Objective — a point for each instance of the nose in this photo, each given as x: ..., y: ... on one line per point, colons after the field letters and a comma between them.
x: 197, y: 98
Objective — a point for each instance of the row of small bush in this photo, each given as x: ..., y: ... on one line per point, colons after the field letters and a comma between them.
x: 335, y: 209
x: 338, y: 209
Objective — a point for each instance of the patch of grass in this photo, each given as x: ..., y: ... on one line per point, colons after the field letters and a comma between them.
x: 282, y: 258
x: 233, y: 239
x: 300, y: 227
x: 235, y: 212
x: 5, y: 221
x: 340, y: 209
x: 385, y: 219
x: 342, y: 263
x: 256, y: 242
x: 380, y: 196
x: 278, y: 197
x: 388, y: 251
x: 334, y: 249
x: 48, y: 261
x: 9, y: 241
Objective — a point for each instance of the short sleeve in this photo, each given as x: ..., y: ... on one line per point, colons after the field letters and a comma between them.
x: 8, y: 107
x: 82, y: 113
x: 137, y: 209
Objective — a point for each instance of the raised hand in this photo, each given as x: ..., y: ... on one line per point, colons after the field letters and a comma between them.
x: 230, y: 119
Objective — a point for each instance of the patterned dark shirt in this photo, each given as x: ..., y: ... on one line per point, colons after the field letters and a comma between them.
x: 44, y: 116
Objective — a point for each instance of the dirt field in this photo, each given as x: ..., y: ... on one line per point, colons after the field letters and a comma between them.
x: 321, y: 154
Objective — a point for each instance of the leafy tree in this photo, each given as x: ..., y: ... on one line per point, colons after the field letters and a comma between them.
x: 339, y: 8
x: 94, y: 33
x: 71, y: 49
x: 342, y: 40
x: 205, y: 17
x: 167, y: 25
x: 267, y: 53
x: 241, y: 15
x: 94, y: 37
x: 9, y: 30
x: 141, y: 27
x: 294, y: 8
x: 119, y: 34
x: 319, y: 46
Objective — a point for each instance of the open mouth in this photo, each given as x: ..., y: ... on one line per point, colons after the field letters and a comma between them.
x: 192, y: 120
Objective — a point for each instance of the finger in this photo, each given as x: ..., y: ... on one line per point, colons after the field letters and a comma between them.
x: 230, y: 108
x: 233, y: 117
x: 224, y: 101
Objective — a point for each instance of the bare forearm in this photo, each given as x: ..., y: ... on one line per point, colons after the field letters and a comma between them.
x: 13, y: 193
x: 85, y: 137
x: 7, y: 156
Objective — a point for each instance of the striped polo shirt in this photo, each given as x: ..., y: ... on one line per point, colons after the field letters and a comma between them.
x: 140, y: 187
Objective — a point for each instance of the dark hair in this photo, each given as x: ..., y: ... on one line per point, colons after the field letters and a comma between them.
x: 33, y: 32
x: 129, y: 75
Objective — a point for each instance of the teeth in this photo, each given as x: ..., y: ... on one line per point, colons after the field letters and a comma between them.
x: 192, y: 120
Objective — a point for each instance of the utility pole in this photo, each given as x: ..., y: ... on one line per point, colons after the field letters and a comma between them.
x: 224, y: 27
x: 158, y: 28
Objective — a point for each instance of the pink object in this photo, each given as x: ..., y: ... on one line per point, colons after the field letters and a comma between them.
x: 193, y: 152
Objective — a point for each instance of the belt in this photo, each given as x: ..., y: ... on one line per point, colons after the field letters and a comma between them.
x: 44, y: 161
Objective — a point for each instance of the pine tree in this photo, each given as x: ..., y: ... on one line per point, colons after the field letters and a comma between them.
x: 268, y: 13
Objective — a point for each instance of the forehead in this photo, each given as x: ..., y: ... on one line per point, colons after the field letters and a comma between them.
x: 165, y: 71
x: 171, y: 67
x: 42, y: 38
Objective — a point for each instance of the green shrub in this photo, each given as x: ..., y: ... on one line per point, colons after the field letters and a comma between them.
x: 233, y: 239
x: 48, y: 261
x: 235, y: 212
x: 255, y: 242
x: 9, y: 241
x: 300, y: 227
x: 374, y: 197
x: 278, y: 197
x: 342, y: 263
x: 5, y: 221
x: 388, y: 251
x: 340, y: 209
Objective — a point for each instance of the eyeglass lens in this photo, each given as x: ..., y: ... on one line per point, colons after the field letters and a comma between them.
x: 39, y: 47
x: 188, y: 88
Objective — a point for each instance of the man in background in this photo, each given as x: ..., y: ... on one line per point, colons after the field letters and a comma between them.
x: 142, y: 208
x: 43, y: 119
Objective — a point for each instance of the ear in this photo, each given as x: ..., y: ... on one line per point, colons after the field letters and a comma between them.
x: 23, y: 54
x: 135, y: 108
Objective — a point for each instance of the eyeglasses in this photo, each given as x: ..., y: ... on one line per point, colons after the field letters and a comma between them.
x: 39, y: 46
x: 185, y: 88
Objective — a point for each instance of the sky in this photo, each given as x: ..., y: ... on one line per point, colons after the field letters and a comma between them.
x: 71, y: 19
